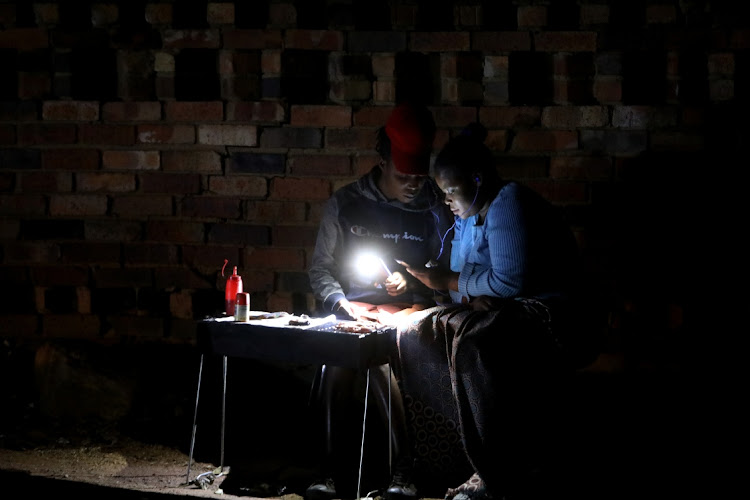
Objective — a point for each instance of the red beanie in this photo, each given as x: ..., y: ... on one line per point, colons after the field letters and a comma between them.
x: 411, y: 130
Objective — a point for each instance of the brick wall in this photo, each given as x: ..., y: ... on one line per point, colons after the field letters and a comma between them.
x: 144, y: 142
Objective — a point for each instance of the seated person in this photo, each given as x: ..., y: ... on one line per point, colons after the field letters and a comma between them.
x: 396, y: 213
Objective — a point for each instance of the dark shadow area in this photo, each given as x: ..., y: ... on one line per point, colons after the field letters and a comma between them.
x: 413, y: 78
x: 23, y: 485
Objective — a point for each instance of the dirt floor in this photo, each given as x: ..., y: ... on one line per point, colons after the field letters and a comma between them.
x: 49, y: 444
x: 129, y: 469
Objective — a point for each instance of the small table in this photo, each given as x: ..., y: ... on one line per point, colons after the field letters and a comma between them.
x: 321, y: 341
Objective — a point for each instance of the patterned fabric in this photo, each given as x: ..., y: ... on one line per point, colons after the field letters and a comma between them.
x: 474, y: 487
x: 476, y: 386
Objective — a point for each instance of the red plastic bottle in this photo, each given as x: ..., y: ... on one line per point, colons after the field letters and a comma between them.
x: 231, y: 289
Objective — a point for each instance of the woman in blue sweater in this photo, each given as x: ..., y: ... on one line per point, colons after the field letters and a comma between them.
x: 478, y: 376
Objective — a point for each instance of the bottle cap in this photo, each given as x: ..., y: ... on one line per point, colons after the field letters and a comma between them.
x: 243, y: 299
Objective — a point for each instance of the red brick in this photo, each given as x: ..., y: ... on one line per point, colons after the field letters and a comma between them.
x: 252, y: 39
x: 497, y: 140
x: 166, y: 134
x: 594, y: 14
x: 169, y: 183
x: 350, y: 138
x: 276, y: 258
x: 454, y: 116
x: 210, y: 207
x: 23, y: 205
x: 228, y: 135
x: 34, y: 85
x: 320, y: 165
x: 191, y: 161
x: 510, y: 116
x: 7, y: 182
x: 181, y: 304
x: 565, y: 41
x: 220, y: 13
x: 91, y: 253
x: 175, y: 231
x: 111, y: 135
x: 131, y: 160
x: 259, y: 111
x: 363, y: 163
x: 239, y: 185
x: 77, y: 204
x: 660, y: 14
x: 24, y: 39
x: 532, y: 16
x: 106, y: 182
x: 158, y: 13
x: 131, y: 111
x: 384, y: 92
x: 321, y: 116
x: 7, y: 135
x: 20, y: 252
x: 23, y: 325
x: 46, y: 182
x: 572, y: 117
x: 561, y: 192
x: 313, y: 39
x: 191, y: 39
x: 142, y: 205
x: 405, y: 16
x: 300, y: 189
x: 445, y: 41
x: 212, y: 258
x: 137, y: 327
x: 40, y: 133
x: 258, y: 280
x: 194, y: 111
x: 82, y: 111
x: 140, y: 254
x: 542, y: 140
x: 71, y: 326
x: 581, y: 168
x: 721, y: 64
x: 372, y: 116
x: 350, y: 89
x: 384, y: 65
x: 496, y: 67
x: 676, y: 141
x: 275, y: 211
x: 60, y: 276
x: 270, y: 62
x: 739, y: 39
x: 294, y: 236
x: 282, y: 302
x: 608, y: 91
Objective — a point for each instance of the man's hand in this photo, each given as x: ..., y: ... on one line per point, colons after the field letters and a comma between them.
x: 395, y: 284
x: 436, y: 278
x: 346, y: 310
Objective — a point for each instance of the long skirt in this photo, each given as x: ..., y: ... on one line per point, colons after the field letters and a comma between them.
x: 479, y: 392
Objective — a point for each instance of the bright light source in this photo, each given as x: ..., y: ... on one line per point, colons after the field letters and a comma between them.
x: 369, y: 264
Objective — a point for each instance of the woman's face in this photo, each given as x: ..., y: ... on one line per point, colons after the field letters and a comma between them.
x: 402, y: 187
x: 460, y: 194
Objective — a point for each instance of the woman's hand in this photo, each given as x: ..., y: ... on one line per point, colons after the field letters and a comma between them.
x: 395, y: 284
x: 436, y: 278
x: 485, y: 303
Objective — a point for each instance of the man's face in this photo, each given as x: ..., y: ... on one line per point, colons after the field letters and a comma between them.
x: 402, y: 187
x: 459, y: 194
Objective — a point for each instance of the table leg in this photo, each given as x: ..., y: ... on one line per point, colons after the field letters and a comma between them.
x: 223, y: 413
x: 195, y: 419
x: 362, y: 447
